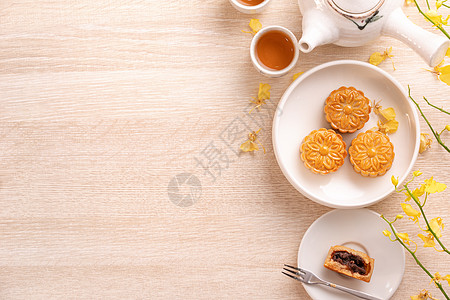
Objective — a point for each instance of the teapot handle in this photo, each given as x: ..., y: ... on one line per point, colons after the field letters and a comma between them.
x: 431, y: 47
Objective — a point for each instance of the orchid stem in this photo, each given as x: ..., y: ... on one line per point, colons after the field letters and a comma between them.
x: 426, y: 220
x: 434, y: 106
x: 415, y: 258
x: 436, y: 135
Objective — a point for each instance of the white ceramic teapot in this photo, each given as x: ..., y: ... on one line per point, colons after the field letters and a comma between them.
x: 353, y: 23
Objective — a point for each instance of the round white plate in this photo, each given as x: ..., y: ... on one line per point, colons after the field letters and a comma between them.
x: 359, y: 229
x: 300, y: 111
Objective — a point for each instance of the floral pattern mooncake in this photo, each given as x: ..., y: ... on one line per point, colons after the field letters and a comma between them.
x: 347, y: 109
x: 323, y: 151
x: 371, y: 153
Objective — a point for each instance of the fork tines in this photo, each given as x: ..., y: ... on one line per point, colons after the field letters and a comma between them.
x: 299, y: 272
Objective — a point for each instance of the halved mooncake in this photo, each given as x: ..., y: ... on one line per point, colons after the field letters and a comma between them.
x: 350, y: 262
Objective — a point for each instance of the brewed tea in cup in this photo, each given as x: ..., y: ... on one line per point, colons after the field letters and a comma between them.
x: 250, y: 2
x: 249, y: 6
x: 274, y: 51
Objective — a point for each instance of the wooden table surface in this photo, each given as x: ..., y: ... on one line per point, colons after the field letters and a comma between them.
x: 105, y: 104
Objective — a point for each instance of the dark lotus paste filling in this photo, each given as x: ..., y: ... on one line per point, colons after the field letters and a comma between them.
x: 353, y: 262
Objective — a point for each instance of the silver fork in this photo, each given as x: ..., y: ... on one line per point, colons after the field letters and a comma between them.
x: 308, y: 277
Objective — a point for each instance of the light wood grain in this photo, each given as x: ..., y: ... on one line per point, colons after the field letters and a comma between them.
x: 104, y: 102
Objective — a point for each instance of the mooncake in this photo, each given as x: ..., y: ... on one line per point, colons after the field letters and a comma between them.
x: 323, y: 151
x: 347, y: 109
x: 350, y: 262
x: 371, y: 153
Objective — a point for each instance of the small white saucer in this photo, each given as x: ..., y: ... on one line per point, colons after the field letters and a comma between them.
x: 359, y: 229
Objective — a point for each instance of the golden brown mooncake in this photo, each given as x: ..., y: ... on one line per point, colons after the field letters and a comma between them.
x: 371, y: 153
x: 347, y: 109
x: 350, y: 262
x: 323, y: 151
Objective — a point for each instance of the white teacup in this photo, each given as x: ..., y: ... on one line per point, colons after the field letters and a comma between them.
x: 259, y: 65
x: 249, y: 9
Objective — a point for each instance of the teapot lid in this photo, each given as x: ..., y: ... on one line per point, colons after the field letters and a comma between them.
x: 356, y: 9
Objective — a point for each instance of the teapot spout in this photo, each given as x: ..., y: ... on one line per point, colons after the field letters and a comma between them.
x: 317, y: 30
x: 431, y: 47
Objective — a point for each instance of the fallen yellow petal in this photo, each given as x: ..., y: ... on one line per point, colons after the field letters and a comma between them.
x: 376, y: 58
x: 388, y: 113
x: 296, y: 75
x: 248, y: 146
x: 444, y: 75
x: 264, y: 91
x: 391, y: 126
x: 425, y: 142
x: 255, y: 25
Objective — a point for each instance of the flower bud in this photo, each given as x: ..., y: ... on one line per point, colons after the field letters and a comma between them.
x: 417, y: 173
x: 394, y: 181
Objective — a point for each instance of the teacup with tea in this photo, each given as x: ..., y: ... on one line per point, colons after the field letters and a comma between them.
x: 274, y: 51
x: 249, y: 6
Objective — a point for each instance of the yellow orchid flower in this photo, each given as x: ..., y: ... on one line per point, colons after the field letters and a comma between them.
x: 437, y: 277
x: 411, y: 212
x: 437, y: 18
x: 263, y: 95
x: 425, y: 142
x: 387, y: 122
x: 444, y: 73
x: 432, y: 186
x: 254, y: 25
x: 377, y: 58
x: 418, y: 192
x: 436, y: 224
x: 387, y: 233
x: 251, y: 144
x: 423, y: 295
x: 427, y: 240
x: 388, y: 113
x: 390, y: 126
x: 264, y: 91
x: 404, y: 236
x: 439, y: 3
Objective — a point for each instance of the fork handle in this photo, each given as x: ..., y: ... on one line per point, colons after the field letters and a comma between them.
x: 351, y: 291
